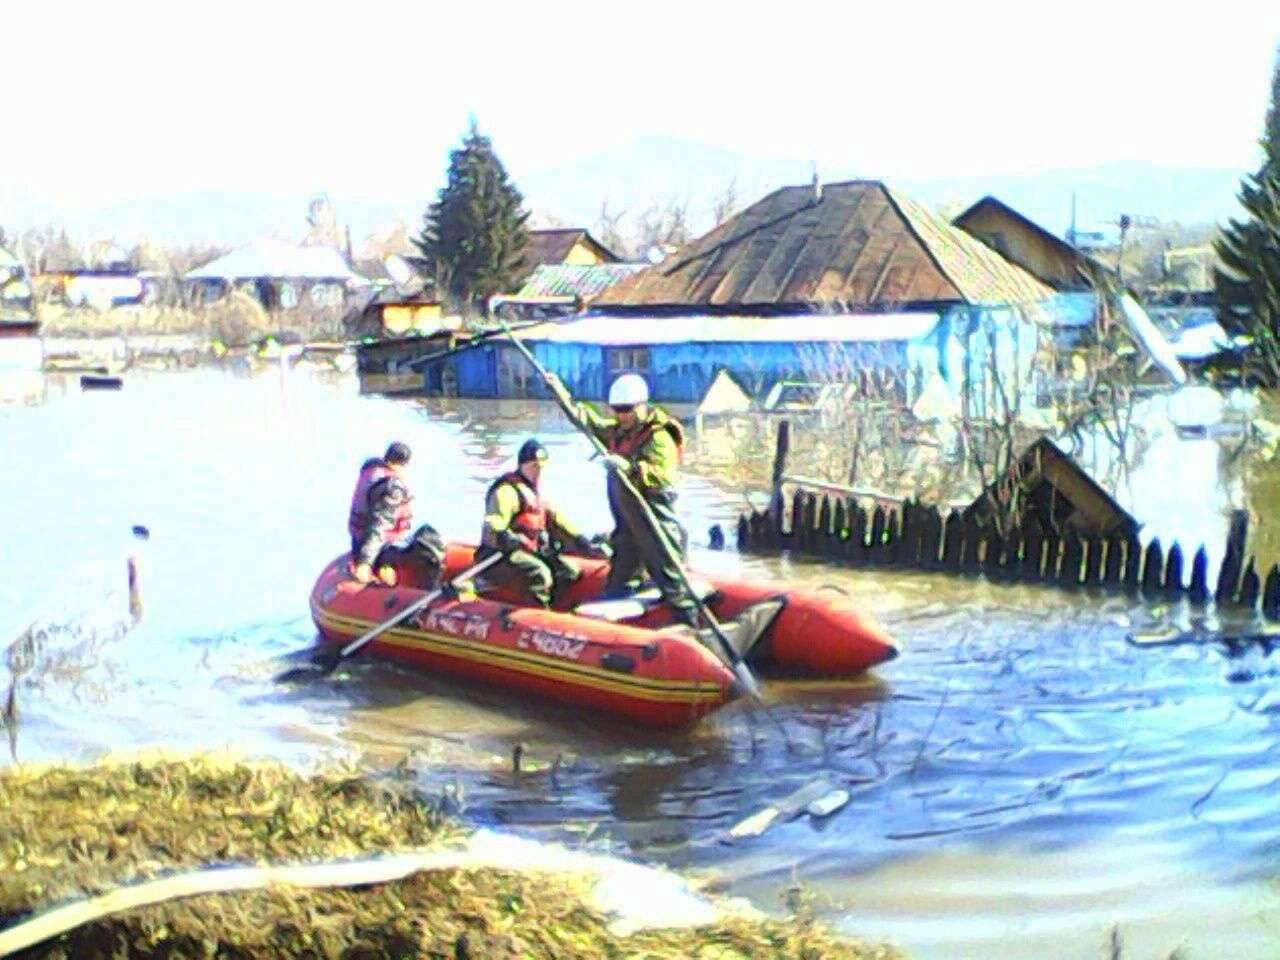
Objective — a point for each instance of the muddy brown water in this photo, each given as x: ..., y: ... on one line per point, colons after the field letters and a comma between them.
x: 1022, y: 779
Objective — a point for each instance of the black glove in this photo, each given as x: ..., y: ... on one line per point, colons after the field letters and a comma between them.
x: 509, y: 541
x: 593, y: 547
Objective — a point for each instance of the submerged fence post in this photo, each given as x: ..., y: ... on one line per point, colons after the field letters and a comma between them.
x: 780, y: 455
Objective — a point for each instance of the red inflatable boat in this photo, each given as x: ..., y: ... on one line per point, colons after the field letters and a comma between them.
x: 622, y: 657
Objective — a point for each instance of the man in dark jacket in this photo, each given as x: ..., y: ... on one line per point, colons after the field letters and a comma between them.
x: 518, y: 522
x: 381, y: 516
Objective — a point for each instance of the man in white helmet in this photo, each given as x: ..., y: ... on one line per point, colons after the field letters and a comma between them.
x: 646, y: 444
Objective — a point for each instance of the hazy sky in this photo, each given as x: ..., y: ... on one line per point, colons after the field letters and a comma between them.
x: 118, y: 100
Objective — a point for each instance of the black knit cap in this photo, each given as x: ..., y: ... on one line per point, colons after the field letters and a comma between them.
x: 397, y: 453
x: 532, y: 449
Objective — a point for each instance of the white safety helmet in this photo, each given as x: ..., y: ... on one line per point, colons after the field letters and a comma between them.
x: 628, y: 391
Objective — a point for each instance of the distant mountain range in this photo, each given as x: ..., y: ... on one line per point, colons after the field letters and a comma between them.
x: 648, y: 172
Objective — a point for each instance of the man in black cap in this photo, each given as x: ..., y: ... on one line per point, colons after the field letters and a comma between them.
x: 519, y: 523
x: 381, y: 516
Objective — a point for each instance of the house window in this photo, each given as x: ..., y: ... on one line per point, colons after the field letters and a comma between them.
x: 629, y: 360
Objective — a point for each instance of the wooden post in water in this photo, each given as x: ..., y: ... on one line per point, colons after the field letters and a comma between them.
x: 1233, y: 560
x: 780, y: 453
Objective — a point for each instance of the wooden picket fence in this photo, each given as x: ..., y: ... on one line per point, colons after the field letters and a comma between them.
x: 917, y: 537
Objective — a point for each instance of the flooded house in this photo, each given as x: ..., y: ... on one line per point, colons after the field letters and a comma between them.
x: 1088, y: 294
x: 850, y: 282
x: 402, y: 322
x: 21, y: 350
x: 281, y: 276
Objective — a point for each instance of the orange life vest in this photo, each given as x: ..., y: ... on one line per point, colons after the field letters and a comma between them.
x: 630, y: 444
x: 531, y: 522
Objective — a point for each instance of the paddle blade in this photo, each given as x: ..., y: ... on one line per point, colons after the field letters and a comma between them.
x: 747, y: 680
x: 320, y: 667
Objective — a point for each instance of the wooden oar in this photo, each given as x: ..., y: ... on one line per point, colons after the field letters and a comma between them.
x: 738, y: 665
x: 325, y: 663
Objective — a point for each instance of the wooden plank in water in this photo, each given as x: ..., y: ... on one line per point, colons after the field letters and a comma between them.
x: 1072, y: 560
x: 993, y: 556
x: 1233, y: 560
x: 972, y: 537
x: 1199, y: 589
x: 931, y: 539
x: 1271, y: 595
x: 1249, y: 587
x: 1092, y: 561
x: 892, y: 539
x: 1173, y: 571
x: 777, y: 518
x: 1032, y: 563
x: 875, y: 545
x: 1113, y: 564
x: 1153, y: 568
x: 855, y: 548
x: 1132, y: 563
x: 952, y: 542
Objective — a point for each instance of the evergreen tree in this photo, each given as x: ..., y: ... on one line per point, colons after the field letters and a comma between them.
x: 474, y: 235
x: 1248, y: 285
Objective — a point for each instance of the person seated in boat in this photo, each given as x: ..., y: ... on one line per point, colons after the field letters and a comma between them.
x: 520, y: 524
x: 645, y: 444
x: 381, y: 517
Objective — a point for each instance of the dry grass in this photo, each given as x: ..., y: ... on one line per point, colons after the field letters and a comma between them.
x: 67, y: 832
x: 236, y: 319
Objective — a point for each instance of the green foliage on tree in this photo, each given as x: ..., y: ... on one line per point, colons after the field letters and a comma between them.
x: 1247, y: 287
x: 474, y: 234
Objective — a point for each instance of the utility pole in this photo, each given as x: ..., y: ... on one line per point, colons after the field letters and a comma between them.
x: 1125, y: 221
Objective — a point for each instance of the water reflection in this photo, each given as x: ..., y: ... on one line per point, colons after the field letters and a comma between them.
x: 1020, y: 778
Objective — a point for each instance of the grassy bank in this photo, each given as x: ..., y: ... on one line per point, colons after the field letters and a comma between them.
x: 71, y: 832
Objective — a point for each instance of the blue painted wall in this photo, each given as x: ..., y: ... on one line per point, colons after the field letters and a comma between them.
x: 963, y: 349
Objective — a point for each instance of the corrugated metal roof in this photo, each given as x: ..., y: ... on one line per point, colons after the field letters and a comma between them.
x: 818, y: 328
x: 859, y: 244
x: 274, y: 258
x: 576, y: 280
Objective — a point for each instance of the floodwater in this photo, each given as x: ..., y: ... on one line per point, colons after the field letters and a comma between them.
x: 1022, y: 779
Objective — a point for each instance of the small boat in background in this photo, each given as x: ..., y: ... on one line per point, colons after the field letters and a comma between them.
x: 97, y: 382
